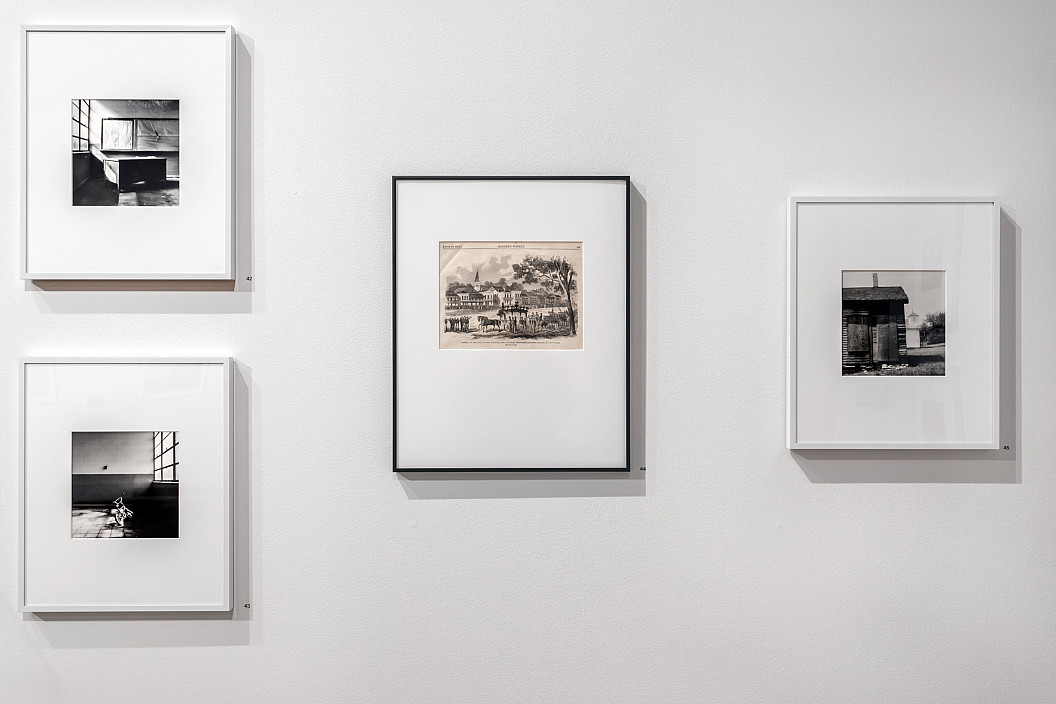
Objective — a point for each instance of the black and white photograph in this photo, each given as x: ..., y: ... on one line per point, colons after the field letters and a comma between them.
x: 125, y: 152
x: 126, y: 484
x: 522, y: 295
x: 894, y: 323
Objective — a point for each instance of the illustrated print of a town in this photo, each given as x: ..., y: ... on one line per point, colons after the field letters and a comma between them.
x: 519, y: 295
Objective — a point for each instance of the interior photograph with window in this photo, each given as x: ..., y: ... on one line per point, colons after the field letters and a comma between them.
x: 126, y: 152
x: 126, y: 484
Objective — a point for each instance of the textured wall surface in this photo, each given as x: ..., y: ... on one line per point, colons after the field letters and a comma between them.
x: 732, y: 571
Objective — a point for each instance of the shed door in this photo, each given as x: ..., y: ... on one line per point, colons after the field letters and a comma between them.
x: 887, y: 343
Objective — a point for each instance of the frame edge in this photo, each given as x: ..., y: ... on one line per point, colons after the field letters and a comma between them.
x: 227, y: 603
x: 626, y: 181
x: 228, y: 274
x: 791, y: 441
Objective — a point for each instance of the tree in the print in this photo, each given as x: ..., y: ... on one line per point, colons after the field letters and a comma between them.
x: 933, y: 330
x: 554, y: 273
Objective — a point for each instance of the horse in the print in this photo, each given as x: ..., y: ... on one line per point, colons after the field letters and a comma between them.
x: 484, y: 323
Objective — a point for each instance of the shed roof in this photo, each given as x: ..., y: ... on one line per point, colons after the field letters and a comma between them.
x: 875, y: 293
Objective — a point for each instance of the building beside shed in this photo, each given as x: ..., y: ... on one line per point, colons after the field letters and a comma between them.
x: 912, y: 330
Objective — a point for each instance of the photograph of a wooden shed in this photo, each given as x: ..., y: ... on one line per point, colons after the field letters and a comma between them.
x: 894, y: 323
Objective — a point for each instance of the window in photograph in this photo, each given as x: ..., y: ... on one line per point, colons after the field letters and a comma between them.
x: 79, y: 125
x: 165, y: 461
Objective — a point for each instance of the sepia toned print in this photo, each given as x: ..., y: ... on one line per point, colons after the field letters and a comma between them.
x: 511, y: 295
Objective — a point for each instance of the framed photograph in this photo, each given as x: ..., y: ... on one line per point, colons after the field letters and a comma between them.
x: 893, y: 323
x: 511, y: 323
x: 127, y: 152
x: 125, y: 485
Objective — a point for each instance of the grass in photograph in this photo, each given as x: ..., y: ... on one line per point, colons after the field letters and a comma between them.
x: 923, y: 361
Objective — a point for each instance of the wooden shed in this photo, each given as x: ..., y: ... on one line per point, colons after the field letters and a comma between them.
x: 874, y: 325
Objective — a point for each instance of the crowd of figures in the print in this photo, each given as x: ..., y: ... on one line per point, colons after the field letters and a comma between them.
x: 509, y: 320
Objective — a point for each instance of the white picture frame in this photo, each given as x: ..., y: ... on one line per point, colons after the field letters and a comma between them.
x: 76, y: 413
x: 179, y: 151
x: 571, y: 410
x: 842, y: 393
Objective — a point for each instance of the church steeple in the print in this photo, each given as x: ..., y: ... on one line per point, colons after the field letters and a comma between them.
x: 476, y: 281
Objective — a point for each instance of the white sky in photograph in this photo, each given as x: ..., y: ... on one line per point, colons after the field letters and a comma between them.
x: 491, y: 269
x: 926, y: 289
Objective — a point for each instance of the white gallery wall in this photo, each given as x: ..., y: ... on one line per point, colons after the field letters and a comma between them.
x: 731, y: 570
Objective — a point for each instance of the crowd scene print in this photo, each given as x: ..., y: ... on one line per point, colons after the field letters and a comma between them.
x: 511, y: 295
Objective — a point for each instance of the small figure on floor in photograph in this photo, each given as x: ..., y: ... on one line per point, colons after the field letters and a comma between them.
x: 121, y: 512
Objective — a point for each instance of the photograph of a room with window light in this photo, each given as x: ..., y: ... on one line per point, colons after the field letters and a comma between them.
x: 126, y: 484
x: 126, y: 152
